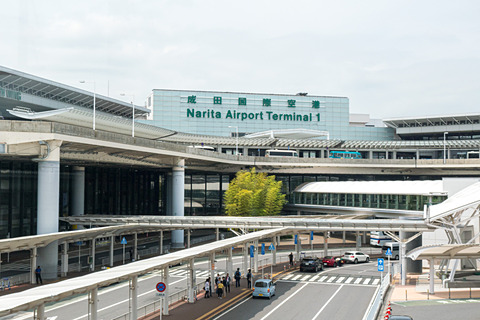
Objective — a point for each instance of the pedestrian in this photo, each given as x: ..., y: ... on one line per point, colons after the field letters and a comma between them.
x: 227, y: 287
x: 38, y: 275
x: 207, y: 289
x: 217, y: 279
x: 224, y: 282
x: 290, y: 257
x: 220, y: 290
x: 249, y: 278
x: 237, y: 276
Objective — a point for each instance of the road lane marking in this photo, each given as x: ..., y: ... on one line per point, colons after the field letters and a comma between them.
x: 305, y: 278
x: 284, y: 301
x: 358, y: 280
x: 288, y: 276
x: 349, y: 280
x: 314, y: 277
x: 376, y: 281
x: 296, y: 277
x: 322, y: 278
x: 331, y: 279
x: 367, y: 280
x: 340, y: 279
x: 326, y: 303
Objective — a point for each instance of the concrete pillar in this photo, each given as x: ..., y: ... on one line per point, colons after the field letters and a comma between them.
x: 93, y: 304
x: 274, y: 251
x: 432, y: 276
x: 135, y: 247
x: 191, y: 281
x: 417, y: 154
x: 343, y: 237
x: 246, y: 255
x: 217, y: 234
x: 161, y: 243
x: 325, y: 244
x: 93, y: 245
x: 178, y: 198
x: 394, y: 155
x: 409, y: 265
x: 112, y: 244
x: 40, y: 312
x: 386, y: 154
x: 133, y: 297
x: 358, y: 243
x: 297, y: 249
x: 370, y: 154
x: 78, y: 192
x: 33, y: 264
x: 212, y: 269
x: 403, y: 262
x: 255, y: 252
x: 364, y: 237
x: 230, y: 262
x: 48, y: 186
x: 310, y: 241
x: 167, y: 290
x: 64, y: 259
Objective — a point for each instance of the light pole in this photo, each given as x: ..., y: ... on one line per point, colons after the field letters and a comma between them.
x: 236, y: 135
x: 445, y: 147
x: 94, y: 99
x: 133, y: 112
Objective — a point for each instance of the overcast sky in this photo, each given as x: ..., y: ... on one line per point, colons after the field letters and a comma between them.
x: 390, y: 58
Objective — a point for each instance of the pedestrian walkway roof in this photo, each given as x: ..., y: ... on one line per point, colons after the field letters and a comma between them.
x: 35, y: 297
x: 466, y: 199
x: 446, y: 251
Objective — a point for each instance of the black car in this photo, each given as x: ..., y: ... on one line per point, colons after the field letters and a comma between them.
x: 311, y: 264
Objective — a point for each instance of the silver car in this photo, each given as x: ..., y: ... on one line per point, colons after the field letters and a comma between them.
x: 355, y: 257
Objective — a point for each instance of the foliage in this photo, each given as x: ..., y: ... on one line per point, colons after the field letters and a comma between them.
x: 254, y: 194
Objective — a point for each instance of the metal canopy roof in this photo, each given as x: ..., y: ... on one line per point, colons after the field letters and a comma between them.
x: 294, y: 223
x: 46, y: 89
x: 466, y: 198
x: 32, y: 298
x: 428, y: 121
x: 289, y: 133
x: 446, y: 251
x: 374, y: 187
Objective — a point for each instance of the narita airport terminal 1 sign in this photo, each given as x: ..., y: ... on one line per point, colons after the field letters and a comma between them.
x: 245, y: 116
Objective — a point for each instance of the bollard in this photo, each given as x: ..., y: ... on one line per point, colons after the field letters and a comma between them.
x: 284, y: 267
x: 470, y: 292
x: 428, y: 294
x: 406, y: 295
x: 448, y: 292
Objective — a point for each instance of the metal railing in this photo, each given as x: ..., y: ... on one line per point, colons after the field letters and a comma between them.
x: 377, y: 299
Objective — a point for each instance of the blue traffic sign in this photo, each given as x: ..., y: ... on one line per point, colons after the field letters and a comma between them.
x: 252, y: 251
x: 311, y: 235
x: 296, y: 239
x: 389, y: 252
x: 124, y: 241
x: 380, y: 264
x: 272, y: 247
x: 161, y: 287
x: 263, y: 248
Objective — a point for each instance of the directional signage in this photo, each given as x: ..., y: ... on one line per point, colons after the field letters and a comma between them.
x: 380, y: 264
x: 263, y: 248
x: 161, y: 287
x: 124, y: 241
x: 252, y: 252
x: 389, y: 252
x: 272, y: 247
x: 296, y: 238
x: 311, y: 235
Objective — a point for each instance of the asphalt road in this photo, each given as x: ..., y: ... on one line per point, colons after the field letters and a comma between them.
x: 465, y: 309
x: 325, y: 295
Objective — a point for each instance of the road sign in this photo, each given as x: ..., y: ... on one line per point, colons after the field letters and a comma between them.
x: 124, y: 241
x: 389, y: 252
x: 380, y: 264
x: 272, y: 247
x: 252, y: 251
x: 160, y: 287
x: 263, y: 248
x: 311, y: 235
x: 296, y: 238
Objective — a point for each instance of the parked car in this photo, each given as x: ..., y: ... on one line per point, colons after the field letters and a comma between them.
x: 311, y: 264
x: 264, y: 288
x: 355, y: 257
x: 331, y: 261
x: 400, y: 318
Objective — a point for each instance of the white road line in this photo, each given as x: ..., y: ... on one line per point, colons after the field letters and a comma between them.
x: 284, y: 301
x: 376, y: 281
x: 366, y: 281
x: 305, y: 278
x: 331, y: 279
x: 314, y: 277
x: 340, y: 279
x: 288, y: 276
x: 358, y: 280
x: 296, y: 277
x: 326, y: 303
x: 322, y: 278
x: 349, y: 280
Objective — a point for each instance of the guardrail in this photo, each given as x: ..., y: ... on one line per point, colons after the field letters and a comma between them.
x: 377, y: 299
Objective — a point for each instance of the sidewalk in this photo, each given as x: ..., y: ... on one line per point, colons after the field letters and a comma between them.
x: 211, y: 307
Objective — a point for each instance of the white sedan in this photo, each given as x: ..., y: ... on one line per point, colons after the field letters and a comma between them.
x: 355, y: 257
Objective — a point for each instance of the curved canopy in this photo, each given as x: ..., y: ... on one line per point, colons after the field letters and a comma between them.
x: 446, y: 251
x: 464, y: 199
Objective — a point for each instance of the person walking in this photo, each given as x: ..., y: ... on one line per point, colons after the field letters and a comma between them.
x: 38, y: 275
x: 220, y: 289
x: 290, y: 257
x: 207, y: 289
x: 237, y: 276
x: 227, y: 286
x: 249, y: 279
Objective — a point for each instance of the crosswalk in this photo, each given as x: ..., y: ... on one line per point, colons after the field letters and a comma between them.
x: 334, y: 279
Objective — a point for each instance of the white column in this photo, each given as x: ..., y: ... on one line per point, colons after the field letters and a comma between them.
x: 343, y: 237
x: 135, y: 247
x: 217, y: 234
x: 432, y: 276
x: 310, y: 242
x: 325, y: 244
x: 212, y: 269
x: 230, y: 262
x: 297, y: 249
x: 161, y: 242
x: 78, y: 192
x: 41, y: 312
x: 188, y: 238
x: 93, y: 245
x: 403, y: 263
x: 64, y: 259
x: 48, y: 186
x: 33, y: 264
x: 358, y: 243
x: 191, y: 281
x: 94, y: 303
x: 255, y: 253
x: 134, y: 298
x: 274, y: 252
x: 246, y: 256
x: 112, y: 243
x: 167, y: 289
x: 178, y: 198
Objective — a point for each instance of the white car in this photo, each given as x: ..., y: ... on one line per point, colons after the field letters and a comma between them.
x: 355, y: 257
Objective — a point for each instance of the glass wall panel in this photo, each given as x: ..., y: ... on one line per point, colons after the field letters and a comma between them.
x: 198, y: 194
x: 213, y: 195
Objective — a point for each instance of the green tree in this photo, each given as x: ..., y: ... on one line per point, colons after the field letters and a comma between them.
x: 254, y: 194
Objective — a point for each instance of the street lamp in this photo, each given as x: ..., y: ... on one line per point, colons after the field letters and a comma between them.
x: 444, y: 146
x: 94, y: 99
x: 133, y: 112
x: 236, y: 142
